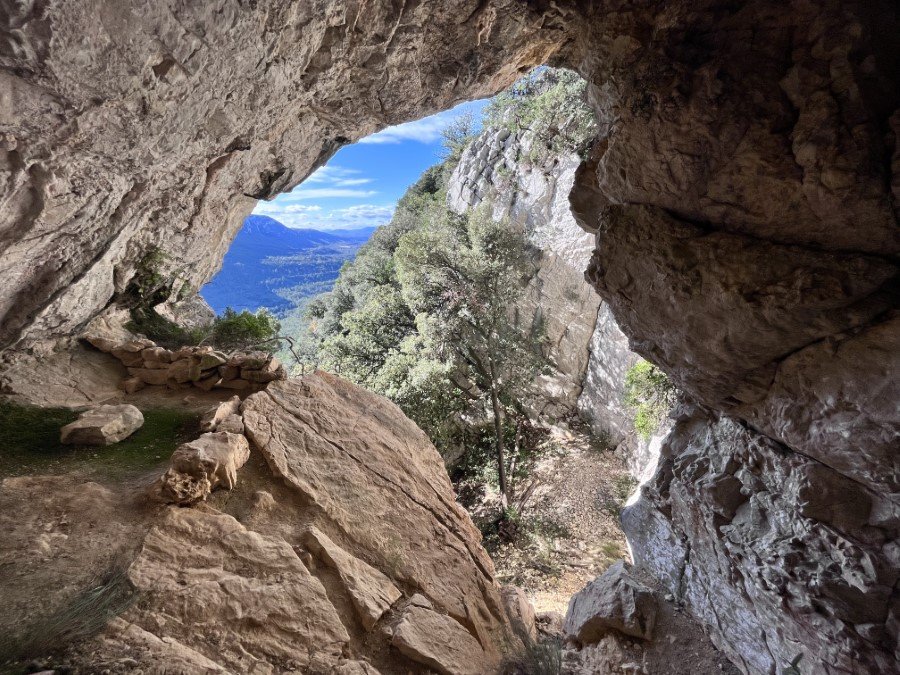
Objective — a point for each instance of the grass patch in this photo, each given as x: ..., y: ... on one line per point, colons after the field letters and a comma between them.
x: 536, y: 658
x: 105, y: 597
x: 31, y: 442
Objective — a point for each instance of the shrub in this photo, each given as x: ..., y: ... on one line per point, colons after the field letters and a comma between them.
x: 650, y: 394
x: 550, y: 103
x: 241, y: 330
x: 230, y: 331
x: 166, y: 333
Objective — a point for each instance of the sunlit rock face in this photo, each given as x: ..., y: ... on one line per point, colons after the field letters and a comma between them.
x: 495, y: 172
x: 744, y: 193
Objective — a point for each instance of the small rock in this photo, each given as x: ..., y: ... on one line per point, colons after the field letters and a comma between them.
x: 215, y: 415
x: 133, y: 384
x: 103, y: 425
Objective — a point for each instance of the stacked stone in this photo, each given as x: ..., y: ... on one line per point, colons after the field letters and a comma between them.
x: 201, y: 367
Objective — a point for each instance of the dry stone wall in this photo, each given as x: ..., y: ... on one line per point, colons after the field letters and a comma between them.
x: 201, y: 367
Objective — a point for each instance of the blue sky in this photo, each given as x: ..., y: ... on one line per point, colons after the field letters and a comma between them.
x: 361, y: 184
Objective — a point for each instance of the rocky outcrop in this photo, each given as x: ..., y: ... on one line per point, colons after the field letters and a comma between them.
x: 744, y: 192
x: 339, y: 548
x: 102, y: 425
x: 194, y: 113
x: 495, y: 170
x: 201, y: 367
x: 814, y: 551
x: 356, y: 457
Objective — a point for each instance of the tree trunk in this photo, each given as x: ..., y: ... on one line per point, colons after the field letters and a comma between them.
x: 498, y: 440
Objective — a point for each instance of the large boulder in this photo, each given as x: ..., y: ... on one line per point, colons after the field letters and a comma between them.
x: 376, y: 477
x: 613, y: 601
x: 103, y: 425
x: 202, y: 465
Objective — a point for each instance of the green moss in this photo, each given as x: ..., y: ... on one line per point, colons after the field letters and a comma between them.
x: 31, y: 443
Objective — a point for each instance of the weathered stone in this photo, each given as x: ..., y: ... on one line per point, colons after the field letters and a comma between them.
x: 208, y: 383
x: 233, y: 424
x: 202, y: 465
x: 212, y: 360
x: 185, y: 370
x: 128, y: 358
x: 157, y: 354
x: 103, y: 425
x: 250, y: 360
x: 358, y: 458
x: 215, y: 415
x: 520, y: 612
x: 439, y: 642
x: 150, y: 375
x: 613, y: 601
x: 198, y: 567
x: 371, y: 592
x: 229, y: 372
x: 793, y: 530
x: 133, y: 384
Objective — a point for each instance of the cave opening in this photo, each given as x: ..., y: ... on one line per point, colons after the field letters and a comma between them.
x: 742, y: 192
x: 333, y: 262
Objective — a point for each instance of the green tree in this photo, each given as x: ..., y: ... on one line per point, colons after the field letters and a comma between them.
x: 462, y: 276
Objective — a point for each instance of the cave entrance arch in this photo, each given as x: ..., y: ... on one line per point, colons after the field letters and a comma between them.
x: 748, y: 150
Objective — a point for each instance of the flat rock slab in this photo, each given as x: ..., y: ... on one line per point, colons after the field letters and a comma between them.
x: 371, y: 592
x: 380, y: 481
x: 103, y: 425
x: 238, y: 597
x: 613, y: 601
x: 439, y: 642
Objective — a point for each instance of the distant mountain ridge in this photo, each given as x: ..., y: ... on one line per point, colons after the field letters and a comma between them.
x: 274, y: 266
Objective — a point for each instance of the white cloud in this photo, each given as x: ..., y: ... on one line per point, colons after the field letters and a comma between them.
x: 313, y: 216
x: 337, y: 176
x: 329, y: 193
x: 425, y: 130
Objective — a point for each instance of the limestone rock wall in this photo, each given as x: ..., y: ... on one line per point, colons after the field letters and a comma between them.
x: 743, y: 191
x: 780, y: 555
x: 495, y: 170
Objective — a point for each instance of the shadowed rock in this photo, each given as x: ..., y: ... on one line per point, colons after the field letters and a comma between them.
x: 103, y: 425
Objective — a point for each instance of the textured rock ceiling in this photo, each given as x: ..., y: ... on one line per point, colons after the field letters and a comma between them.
x: 744, y: 189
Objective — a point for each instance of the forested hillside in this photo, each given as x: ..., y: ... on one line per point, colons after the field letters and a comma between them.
x: 275, y: 267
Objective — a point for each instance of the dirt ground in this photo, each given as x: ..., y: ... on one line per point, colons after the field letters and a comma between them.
x: 570, y: 529
x: 569, y: 535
